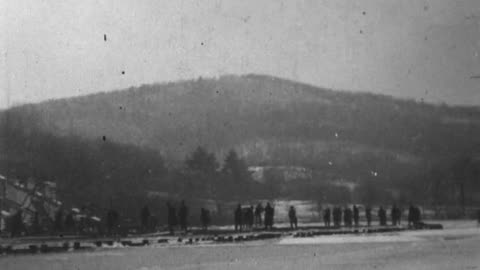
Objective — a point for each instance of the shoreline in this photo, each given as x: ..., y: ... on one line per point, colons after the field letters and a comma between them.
x: 221, y: 235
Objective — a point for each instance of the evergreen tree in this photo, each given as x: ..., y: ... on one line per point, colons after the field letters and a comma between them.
x: 200, y: 175
x: 236, y: 174
x: 202, y: 161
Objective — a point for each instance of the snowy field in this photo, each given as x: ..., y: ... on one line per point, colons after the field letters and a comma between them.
x: 455, y: 247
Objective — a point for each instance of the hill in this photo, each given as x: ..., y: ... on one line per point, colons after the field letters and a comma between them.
x: 270, y: 121
x: 242, y: 111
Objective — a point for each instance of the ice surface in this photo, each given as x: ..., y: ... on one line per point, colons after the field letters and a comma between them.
x: 455, y: 247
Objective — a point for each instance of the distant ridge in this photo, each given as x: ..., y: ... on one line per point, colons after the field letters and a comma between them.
x: 236, y: 111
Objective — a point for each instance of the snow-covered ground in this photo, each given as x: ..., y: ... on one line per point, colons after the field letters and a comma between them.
x: 455, y: 247
x: 452, y: 230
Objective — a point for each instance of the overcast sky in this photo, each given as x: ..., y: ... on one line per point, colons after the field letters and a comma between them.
x: 416, y: 49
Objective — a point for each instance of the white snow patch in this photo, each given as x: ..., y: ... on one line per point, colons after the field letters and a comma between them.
x: 102, y: 254
x: 150, y: 268
x: 349, y: 239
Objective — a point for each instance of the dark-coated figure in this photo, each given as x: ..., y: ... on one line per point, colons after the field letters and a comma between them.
x: 326, y: 217
x: 414, y: 215
x: 182, y: 216
x: 204, y: 218
x: 292, y: 216
x: 417, y: 216
x: 337, y: 216
x: 368, y: 215
x: 171, y: 218
x: 395, y: 215
x: 410, y: 215
x: 250, y: 217
x: 112, y: 221
x: 399, y: 215
x: 347, y: 217
x: 356, y: 215
x: 238, y: 215
x: 382, y: 216
x: 258, y: 214
x: 269, y: 213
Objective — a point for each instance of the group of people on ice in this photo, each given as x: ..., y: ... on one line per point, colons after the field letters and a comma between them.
x: 182, y: 216
x: 246, y: 218
x: 352, y: 216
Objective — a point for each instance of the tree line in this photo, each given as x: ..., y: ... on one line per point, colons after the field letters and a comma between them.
x: 98, y: 172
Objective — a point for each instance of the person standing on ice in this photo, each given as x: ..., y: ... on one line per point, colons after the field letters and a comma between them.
x: 395, y: 214
x: 411, y: 211
x: 269, y: 212
x: 182, y: 216
x: 251, y: 217
x: 145, y: 218
x: 417, y: 215
x: 238, y: 218
x: 111, y: 221
x: 326, y: 217
x: 382, y: 216
x: 258, y: 214
x: 368, y: 215
x: 399, y: 215
x: 204, y: 218
x: 337, y: 216
x: 350, y: 217
x: 355, y: 215
x: 345, y: 217
x: 292, y: 216
x: 171, y: 218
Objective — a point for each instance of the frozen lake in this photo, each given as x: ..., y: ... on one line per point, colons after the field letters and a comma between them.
x: 455, y: 247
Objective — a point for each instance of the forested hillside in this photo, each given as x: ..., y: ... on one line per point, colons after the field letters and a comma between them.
x: 140, y: 137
